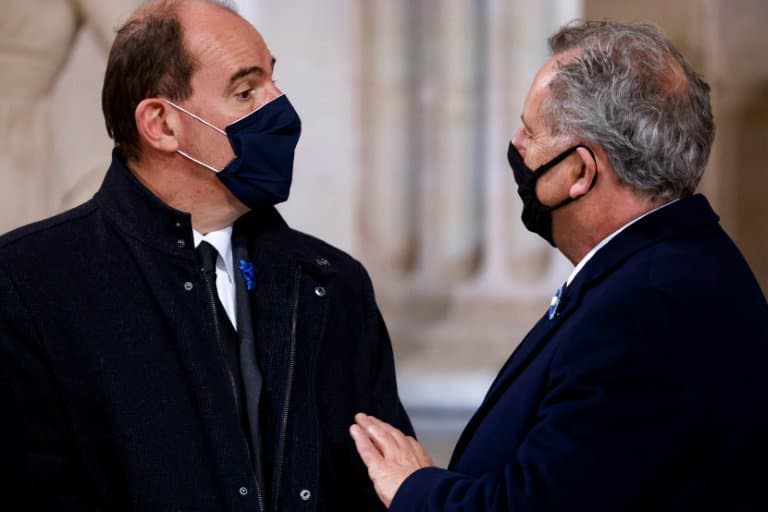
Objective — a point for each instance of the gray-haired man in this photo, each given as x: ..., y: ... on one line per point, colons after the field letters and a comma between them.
x: 641, y: 387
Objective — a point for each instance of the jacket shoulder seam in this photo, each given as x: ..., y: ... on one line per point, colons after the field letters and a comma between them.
x: 47, y: 224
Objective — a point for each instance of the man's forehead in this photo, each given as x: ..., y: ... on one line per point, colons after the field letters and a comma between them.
x: 539, y: 90
x: 537, y: 93
x: 214, y: 34
x: 546, y: 73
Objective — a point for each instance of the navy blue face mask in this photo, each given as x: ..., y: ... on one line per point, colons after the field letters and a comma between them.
x: 264, y: 142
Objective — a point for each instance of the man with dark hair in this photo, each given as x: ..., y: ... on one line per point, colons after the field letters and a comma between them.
x: 171, y: 344
x: 641, y: 388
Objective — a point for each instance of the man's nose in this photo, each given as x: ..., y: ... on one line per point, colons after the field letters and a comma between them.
x: 518, y: 141
x: 272, y: 91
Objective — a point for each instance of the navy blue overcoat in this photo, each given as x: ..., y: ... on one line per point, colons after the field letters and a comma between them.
x: 645, y: 392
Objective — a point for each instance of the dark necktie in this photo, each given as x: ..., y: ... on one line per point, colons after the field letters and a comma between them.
x: 228, y: 339
x: 238, y: 348
x: 206, y: 255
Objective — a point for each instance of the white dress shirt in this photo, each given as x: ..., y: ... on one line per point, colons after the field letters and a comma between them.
x: 607, y: 239
x: 221, y: 240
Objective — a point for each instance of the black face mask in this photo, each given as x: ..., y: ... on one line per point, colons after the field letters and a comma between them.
x: 537, y: 217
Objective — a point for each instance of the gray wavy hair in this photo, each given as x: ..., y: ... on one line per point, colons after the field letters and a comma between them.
x: 631, y: 92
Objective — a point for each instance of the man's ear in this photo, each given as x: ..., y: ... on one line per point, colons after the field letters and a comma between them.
x: 158, y: 124
x: 585, y: 173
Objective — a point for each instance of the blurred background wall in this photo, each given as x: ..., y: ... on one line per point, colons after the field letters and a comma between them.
x: 408, y: 106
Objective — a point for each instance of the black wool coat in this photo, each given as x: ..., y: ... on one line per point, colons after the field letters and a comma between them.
x: 114, y: 393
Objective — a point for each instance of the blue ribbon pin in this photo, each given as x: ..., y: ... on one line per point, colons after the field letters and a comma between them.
x: 555, y: 302
x: 248, y: 273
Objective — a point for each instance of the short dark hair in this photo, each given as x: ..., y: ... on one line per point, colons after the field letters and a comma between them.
x: 148, y: 58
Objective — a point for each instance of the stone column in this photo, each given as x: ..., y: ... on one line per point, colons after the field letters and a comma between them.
x: 455, y: 200
x: 387, y: 223
x: 445, y: 161
x: 489, y: 313
x: 736, y: 68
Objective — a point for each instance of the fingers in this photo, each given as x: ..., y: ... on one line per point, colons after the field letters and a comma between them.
x: 385, y: 427
x: 390, y: 455
x: 385, y: 439
x: 400, y: 438
x: 421, y: 453
x: 368, y: 452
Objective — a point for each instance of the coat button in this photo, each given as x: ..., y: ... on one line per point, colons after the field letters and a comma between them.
x: 188, y: 286
x: 180, y: 244
x: 320, y: 291
x: 178, y: 224
x: 243, y: 491
x: 305, y: 495
x: 323, y: 262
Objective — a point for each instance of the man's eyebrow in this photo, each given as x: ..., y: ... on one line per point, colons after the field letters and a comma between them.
x: 243, y: 72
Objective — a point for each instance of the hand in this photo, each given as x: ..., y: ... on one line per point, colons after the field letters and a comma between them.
x: 390, y: 455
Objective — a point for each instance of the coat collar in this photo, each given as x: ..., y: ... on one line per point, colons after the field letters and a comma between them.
x: 686, y: 215
x: 138, y: 213
x: 268, y: 232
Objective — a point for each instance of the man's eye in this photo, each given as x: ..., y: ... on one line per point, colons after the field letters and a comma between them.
x: 244, y: 95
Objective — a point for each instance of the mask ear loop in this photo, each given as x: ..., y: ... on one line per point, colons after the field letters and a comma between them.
x: 198, y: 118
x: 559, y: 158
x: 209, y: 167
x: 194, y: 116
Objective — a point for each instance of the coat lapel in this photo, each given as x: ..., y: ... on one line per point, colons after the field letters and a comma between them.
x: 525, y: 352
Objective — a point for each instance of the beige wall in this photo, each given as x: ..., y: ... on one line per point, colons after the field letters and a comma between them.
x: 725, y: 41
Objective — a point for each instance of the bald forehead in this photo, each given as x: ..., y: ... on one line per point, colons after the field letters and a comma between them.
x: 551, y: 67
x: 539, y: 92
x: 211, y: 18
x: 193, y: 14
x: 159, y: 6
x: 210, y: 29
x: 199, y: 9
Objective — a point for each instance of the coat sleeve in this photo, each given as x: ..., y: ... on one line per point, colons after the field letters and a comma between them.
x: 616, y: 425
x: 39, y: 454
x: 387, y: 405
x: 376, y: 394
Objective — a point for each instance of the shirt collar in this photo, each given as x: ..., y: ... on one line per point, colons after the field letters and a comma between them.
x: 607, y: 239
x: 221, y: 239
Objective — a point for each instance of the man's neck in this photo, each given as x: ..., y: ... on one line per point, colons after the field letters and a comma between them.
x: 190, y: 189
x: 594, y: 225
